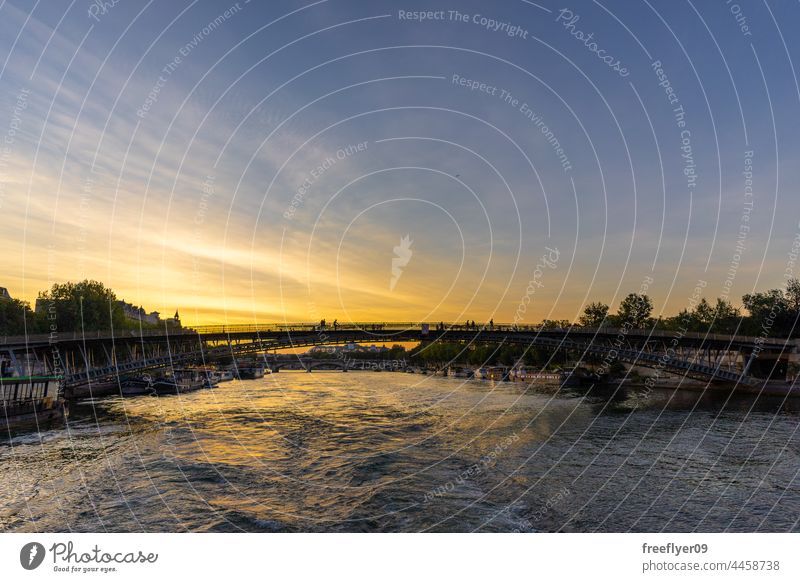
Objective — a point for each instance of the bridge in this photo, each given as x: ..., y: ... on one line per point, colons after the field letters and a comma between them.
x: 82, y: 358
x: 276, y: 363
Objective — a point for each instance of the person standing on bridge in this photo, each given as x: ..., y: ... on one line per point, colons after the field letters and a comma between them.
x: 335, y: 324
x: 491, y: 324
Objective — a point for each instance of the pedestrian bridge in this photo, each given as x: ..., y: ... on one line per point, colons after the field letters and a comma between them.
x: 94, y: 356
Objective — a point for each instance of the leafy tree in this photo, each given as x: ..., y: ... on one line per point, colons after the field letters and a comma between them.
x: 727, y: 317
x: 15, y: 317
x: 677, y: 322
x: 792, y: 294
x: 444, y: 353
x: 594, y: 315
x: 635, y: 310
x: 769, y: 312
x: 396, y: 352
x: 703, y: 314
x: 87, y: 305
x: 760, y: 305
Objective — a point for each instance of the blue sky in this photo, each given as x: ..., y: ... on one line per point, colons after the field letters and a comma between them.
x: 159, y: 148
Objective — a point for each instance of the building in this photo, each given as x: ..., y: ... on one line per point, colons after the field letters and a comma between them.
x: 174, y: 320
x: 139, y: 314
x: 4, y: 295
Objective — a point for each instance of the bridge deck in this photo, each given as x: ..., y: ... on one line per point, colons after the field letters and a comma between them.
x: 379, y: 330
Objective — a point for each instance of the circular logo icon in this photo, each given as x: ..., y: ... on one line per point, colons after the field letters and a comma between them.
x: 31, y: 555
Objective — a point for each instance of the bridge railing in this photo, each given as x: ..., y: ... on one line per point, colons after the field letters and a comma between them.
x: 371, y: 326
x: 433, y: 327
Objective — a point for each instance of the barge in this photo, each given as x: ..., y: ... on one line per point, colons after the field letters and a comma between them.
x: 31, y: 401
x: 251, y: 372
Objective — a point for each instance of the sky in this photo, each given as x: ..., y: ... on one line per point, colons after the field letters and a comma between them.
x: 250, y: 162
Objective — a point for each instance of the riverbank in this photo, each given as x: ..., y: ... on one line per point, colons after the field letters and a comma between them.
x: 557, y: 379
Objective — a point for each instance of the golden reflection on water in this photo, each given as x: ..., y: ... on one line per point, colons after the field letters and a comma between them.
x: 290, y: 415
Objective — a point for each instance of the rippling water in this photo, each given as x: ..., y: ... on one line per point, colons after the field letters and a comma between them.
x: 401, y: 452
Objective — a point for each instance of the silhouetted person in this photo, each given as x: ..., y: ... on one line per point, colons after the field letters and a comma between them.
x: 335, y: 324
x: 491, y: 324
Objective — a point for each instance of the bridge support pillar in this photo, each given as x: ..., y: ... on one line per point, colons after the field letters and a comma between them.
x: 793, y: 363
x: 748, y: 362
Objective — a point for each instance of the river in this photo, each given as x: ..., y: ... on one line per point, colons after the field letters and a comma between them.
x: 367, y: 451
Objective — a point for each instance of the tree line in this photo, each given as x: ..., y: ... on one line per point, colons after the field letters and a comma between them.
x: 478, y: 354
x: 67, y: 307
x: 773, y: 313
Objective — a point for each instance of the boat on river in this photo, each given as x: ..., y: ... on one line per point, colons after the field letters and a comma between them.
x: 147, y: 385
x: 459, y: 372
x: 251, y: 372
x: 178, y: 382
x: 31, y: 401
x: 223, y: 375
x: 191, y: 379
x: 535, y: 376
x: 481, y: 373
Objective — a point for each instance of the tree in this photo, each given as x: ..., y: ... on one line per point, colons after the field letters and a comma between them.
x: 679, y: 322
x: 16, y: 317
x: 703, y: 314
x: 792, y: 294
x: 762, y: 304
x: 84, y: 306
x: 727, y: 317
x: 594, y: 315
x: 769, y: 312
x: 635, y: 310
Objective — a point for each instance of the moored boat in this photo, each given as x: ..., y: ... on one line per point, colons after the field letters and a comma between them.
x: 178, y: 382
x: 137, y: 386
x: 190, y: 379
x: 459, y: 372
x: 251, y: 372
x: 481, y: 374
x: 499, y: 373
x: 224, y: 375
x: 522, y: 374
x: 208, y: 377
x: 31, y: 401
